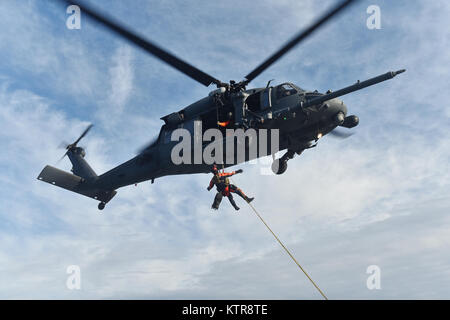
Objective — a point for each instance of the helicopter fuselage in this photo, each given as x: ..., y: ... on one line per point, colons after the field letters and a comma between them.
x: 298, y: 117
x: 273, y: 108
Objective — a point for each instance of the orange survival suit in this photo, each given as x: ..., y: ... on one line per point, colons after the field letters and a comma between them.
x: 224, y: 188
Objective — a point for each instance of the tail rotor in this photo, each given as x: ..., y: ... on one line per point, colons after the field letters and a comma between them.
x: 72, y: 146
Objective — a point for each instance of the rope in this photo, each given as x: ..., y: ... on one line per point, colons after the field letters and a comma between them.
x: 267, y: 226
x: 287, y: 251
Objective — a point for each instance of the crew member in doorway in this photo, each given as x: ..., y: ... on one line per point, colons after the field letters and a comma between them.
x: 225, y: 188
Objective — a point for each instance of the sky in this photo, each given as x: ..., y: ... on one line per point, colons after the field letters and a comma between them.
x: 378, y: 198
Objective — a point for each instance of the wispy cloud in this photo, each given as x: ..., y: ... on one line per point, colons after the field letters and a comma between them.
x: 121, y: 85
x: 379, y: 197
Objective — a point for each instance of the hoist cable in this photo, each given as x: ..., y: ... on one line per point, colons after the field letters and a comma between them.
x: 287, y: 251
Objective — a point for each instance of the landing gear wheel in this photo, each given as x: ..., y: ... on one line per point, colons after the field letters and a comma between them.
x: 279, y: 167
x: 101, y: 206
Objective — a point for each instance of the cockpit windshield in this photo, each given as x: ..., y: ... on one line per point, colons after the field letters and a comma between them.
x: 285, y: 90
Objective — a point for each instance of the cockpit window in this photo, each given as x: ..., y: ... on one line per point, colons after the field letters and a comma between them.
x: 284, y: 90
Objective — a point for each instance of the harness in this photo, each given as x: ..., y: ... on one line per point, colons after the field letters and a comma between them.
x: 222, y: 184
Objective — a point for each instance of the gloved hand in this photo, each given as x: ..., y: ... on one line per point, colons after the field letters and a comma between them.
x: 208, y: 188
x: 239, y: 171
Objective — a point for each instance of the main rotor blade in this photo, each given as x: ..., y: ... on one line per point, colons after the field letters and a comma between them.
x: 297, y: 39
x: 82, y: 135
x: 148, y: 46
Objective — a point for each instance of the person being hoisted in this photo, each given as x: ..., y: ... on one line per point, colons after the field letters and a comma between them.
x: 224, y: 188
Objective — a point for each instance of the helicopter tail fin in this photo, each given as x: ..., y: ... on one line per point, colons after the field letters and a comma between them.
x: 75, y: 183
x: 80, y: 167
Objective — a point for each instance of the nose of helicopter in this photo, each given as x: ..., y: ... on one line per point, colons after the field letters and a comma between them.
x: 336, y: 106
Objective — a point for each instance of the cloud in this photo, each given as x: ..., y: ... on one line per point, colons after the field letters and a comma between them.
x: 121, y: 82
x: 379, y: 197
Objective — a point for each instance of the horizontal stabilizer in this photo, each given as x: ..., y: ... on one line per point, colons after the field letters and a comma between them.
x: 74, y: 183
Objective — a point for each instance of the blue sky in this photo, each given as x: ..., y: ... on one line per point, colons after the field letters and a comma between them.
x: 379, y: 197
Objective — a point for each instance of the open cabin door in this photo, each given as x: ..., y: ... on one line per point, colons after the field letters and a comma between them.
x: 260, y: 101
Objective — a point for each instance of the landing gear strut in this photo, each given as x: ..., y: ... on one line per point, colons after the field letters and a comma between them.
x: 279, y: 166
x: 101, y: 206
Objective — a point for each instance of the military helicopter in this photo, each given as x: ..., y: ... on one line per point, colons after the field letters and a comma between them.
x: 302, y: 118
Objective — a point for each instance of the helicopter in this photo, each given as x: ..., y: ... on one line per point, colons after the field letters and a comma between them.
x: 301, y: 118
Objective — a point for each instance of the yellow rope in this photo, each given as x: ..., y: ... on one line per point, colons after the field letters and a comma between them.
x: 279, y: 241
x: 286, y: 249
